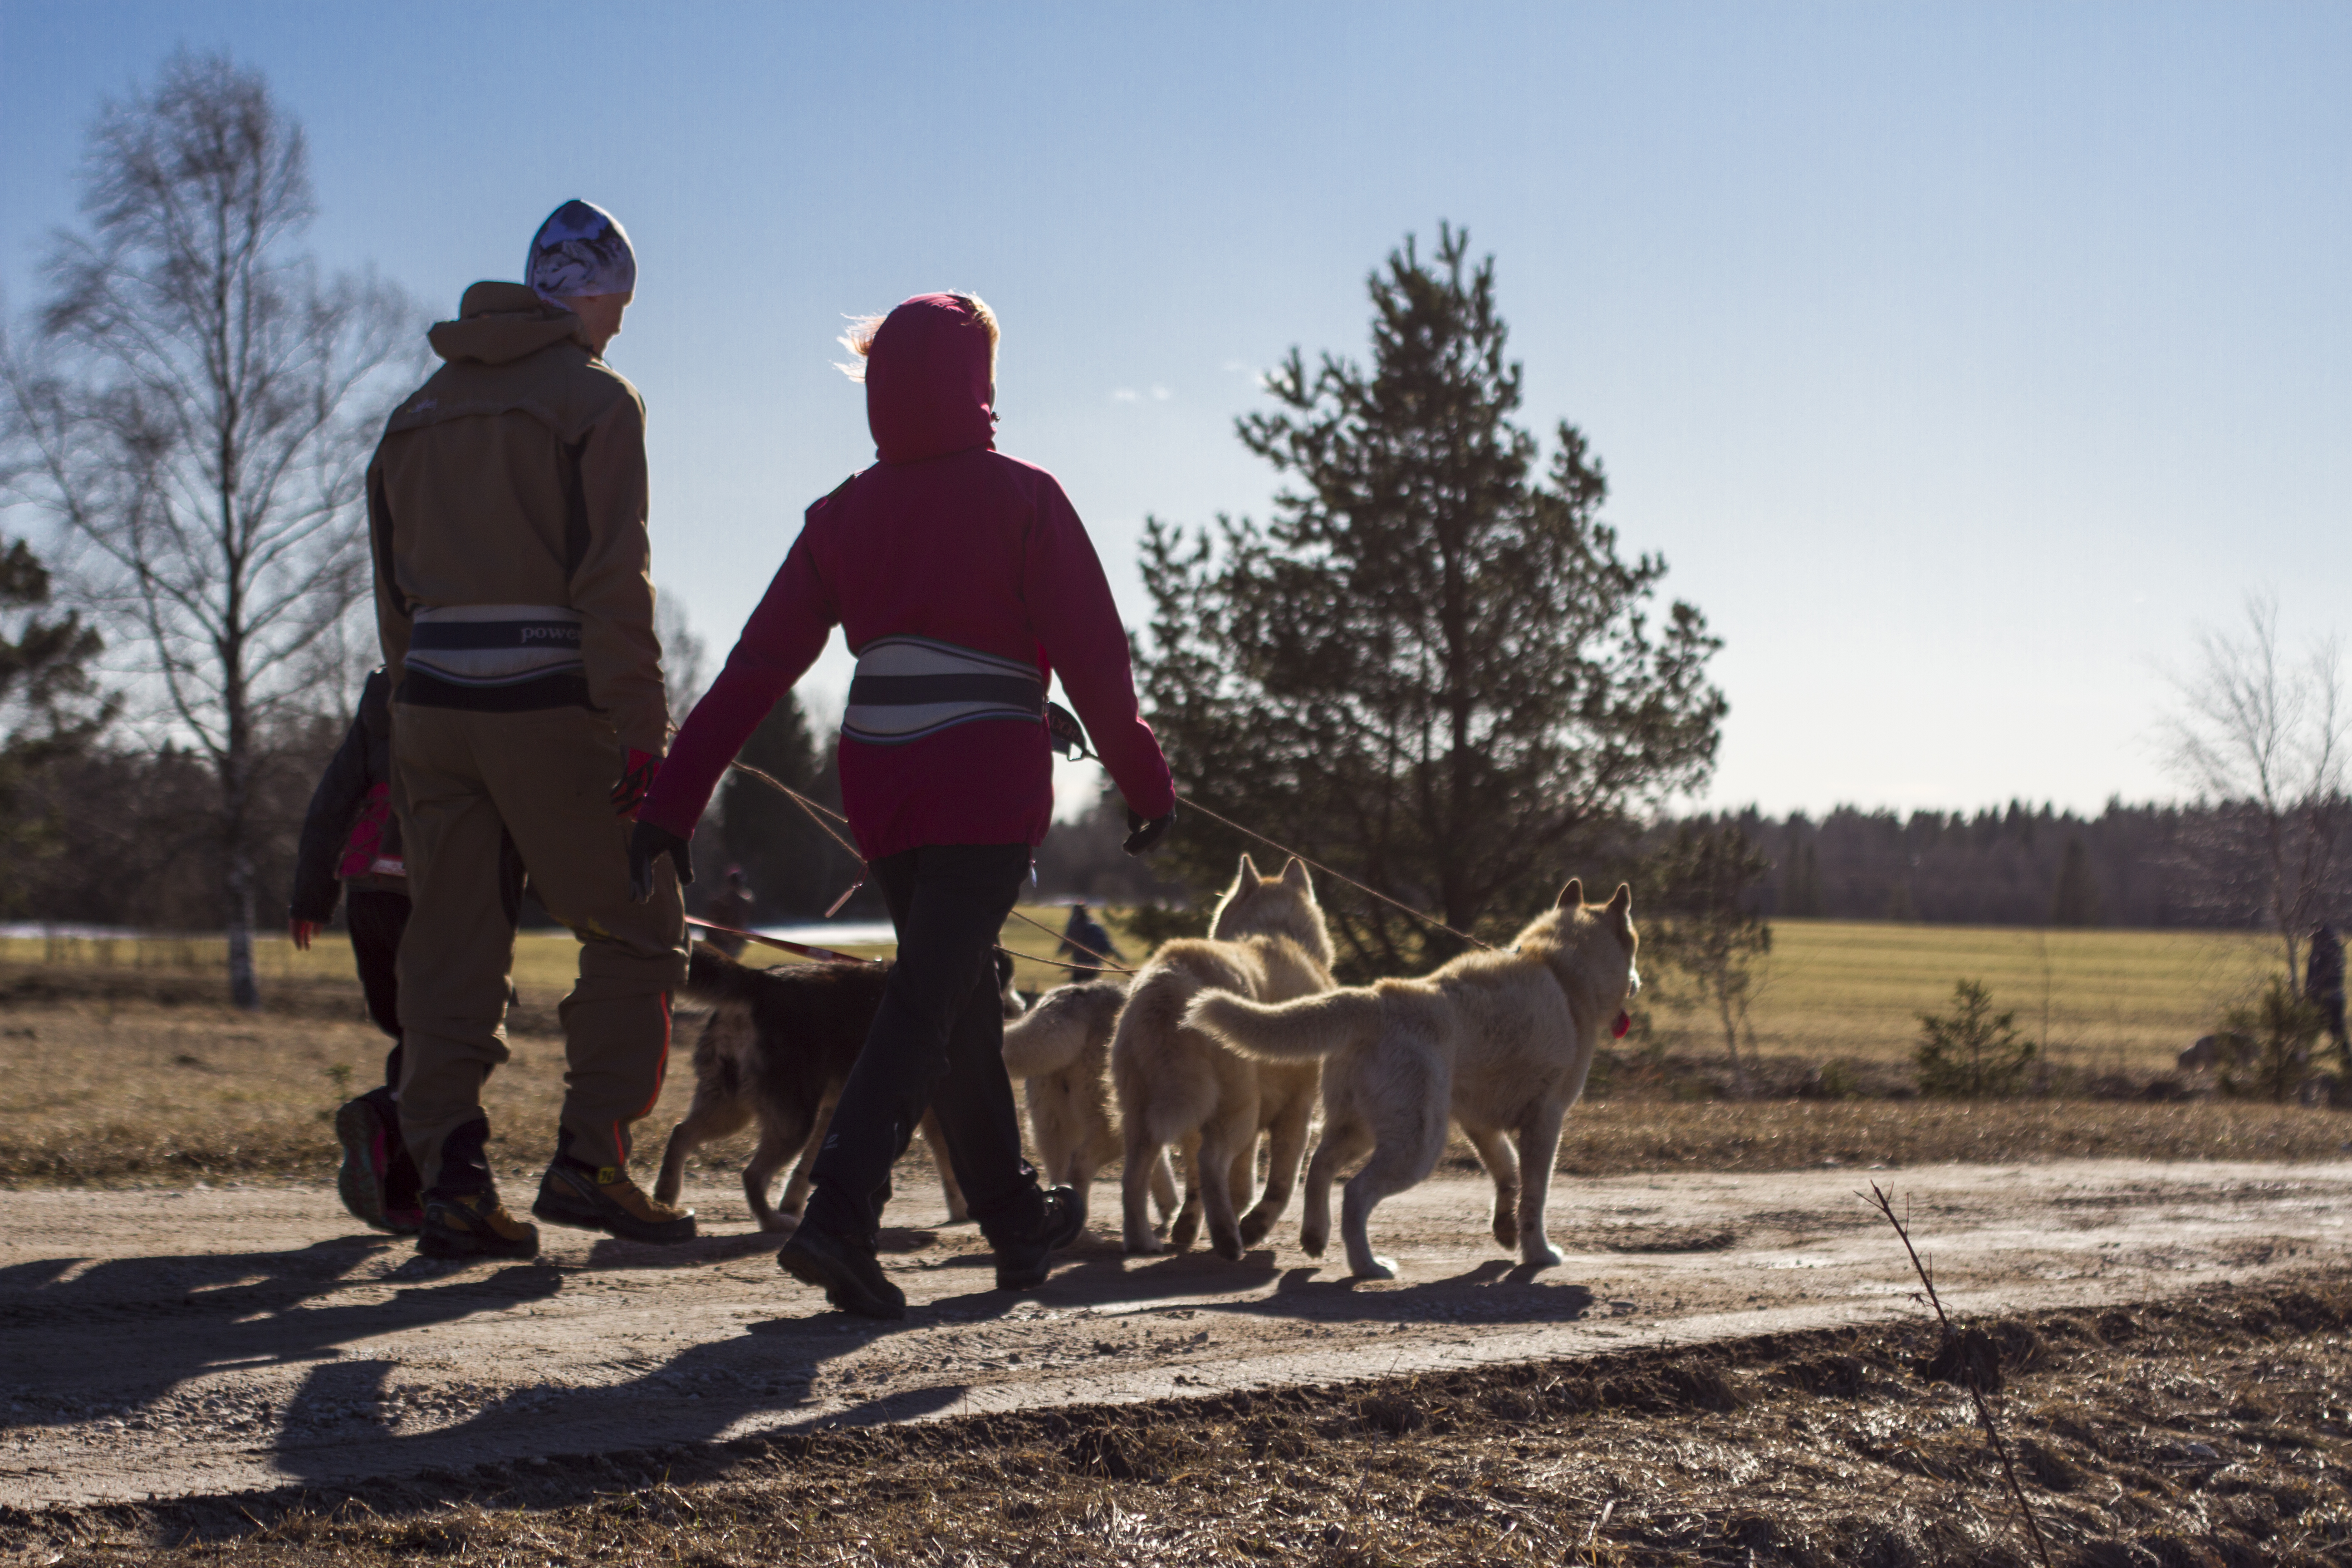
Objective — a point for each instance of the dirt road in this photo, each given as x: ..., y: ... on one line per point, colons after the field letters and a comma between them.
x: 166, y: 1343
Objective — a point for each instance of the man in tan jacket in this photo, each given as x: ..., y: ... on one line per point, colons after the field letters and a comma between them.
x: 507, y: 512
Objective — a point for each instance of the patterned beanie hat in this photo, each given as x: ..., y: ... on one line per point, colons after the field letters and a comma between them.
x: 581, y: 249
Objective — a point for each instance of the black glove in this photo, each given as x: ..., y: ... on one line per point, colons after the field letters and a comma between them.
x: 1144, y: 833
x: 648, y: 844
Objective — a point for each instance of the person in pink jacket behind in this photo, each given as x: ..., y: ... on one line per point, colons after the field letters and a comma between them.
x: 963, y: 581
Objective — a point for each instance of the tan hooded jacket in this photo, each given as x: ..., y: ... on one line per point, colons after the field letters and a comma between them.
x: 506, y: 506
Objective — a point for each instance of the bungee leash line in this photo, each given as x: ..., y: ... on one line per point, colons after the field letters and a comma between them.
x: 826, y: 955
x: 818, y: 814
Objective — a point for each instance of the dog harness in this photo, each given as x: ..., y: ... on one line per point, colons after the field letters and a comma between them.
x: 907, y: 687
x: 495, y: 645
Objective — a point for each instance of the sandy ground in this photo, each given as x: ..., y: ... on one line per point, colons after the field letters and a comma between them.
x: 166, y: 1344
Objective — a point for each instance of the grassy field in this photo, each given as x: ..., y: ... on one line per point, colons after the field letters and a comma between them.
x: 2100, y: 1000
x: 117, y: 1060
x: 1831, y: 989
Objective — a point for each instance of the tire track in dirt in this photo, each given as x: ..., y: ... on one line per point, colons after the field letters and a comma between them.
x: 217, y: 1341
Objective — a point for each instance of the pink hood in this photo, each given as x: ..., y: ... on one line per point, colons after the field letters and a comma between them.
x: 928, y: 382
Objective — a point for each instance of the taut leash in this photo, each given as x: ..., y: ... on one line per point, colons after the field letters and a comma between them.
x: 823, y: 954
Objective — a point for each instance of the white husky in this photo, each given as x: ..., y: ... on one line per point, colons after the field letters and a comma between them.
x: 1266, y: 941
x: 1502, y: 1040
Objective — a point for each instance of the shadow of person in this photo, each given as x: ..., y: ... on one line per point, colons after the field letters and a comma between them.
x: 336, y: 1426
x: 125, y: 1332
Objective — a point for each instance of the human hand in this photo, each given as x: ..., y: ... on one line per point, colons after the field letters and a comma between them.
x: 1143, y: 833
x: 636, y: 782
x: 648, y: 843
x: 302, y: 932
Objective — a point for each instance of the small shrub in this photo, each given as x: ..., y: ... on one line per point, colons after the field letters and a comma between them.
x: 2282, y: 1027
x: 1974, y: 1053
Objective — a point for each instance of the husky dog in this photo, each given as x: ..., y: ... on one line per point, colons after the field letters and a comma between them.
x: 1501, y: 1039
x: 778, y: 1047
x: 1176, y: 1085
x: 1060, y: 1049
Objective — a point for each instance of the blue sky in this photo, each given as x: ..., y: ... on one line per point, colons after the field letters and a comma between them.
x: 1960, y: 360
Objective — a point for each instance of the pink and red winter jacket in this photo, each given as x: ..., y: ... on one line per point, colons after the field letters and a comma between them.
x: 947, y: 540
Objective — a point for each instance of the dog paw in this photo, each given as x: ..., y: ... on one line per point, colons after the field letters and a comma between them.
x: 1227, y: 1245
x: 780, y: 1223
x: 1253, y: 1228
x: 1311, y: 1242
x: 1506, y: 1231
x: 1380, y: 1269
x: 1146, y: 1246
x: 1542, y: 1253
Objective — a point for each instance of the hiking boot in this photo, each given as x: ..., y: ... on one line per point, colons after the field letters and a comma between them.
x: 850, y: 1275
x: 593, y: 1198
x: 473, y: 1224
x: 369, y: 1130
x: 1022, y: 1263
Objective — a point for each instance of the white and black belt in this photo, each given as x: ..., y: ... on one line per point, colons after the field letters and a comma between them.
x: 494, y: 645
x: 907, y: 687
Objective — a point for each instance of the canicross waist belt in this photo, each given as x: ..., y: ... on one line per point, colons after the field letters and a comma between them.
x: 907, y: 688
x: 494, y: 645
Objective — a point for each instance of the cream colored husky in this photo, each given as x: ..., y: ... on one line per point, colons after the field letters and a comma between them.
x: 1060, y: 1049
x: 1266, y: 941
x: 1501, y: 1040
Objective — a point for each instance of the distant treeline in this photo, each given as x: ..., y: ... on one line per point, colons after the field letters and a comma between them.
x: 2142, y: 866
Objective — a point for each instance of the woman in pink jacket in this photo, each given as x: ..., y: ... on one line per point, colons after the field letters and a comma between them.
x: 963, y: 581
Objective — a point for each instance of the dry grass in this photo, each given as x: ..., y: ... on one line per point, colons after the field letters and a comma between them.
x: 97, y: 1089
x: 2208, y: 1430
x: 2104, y: 1000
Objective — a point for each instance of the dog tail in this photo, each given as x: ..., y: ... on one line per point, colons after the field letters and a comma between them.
x: 1055, y: 1032
x: 712, y: 976
x: 1288, y: 1031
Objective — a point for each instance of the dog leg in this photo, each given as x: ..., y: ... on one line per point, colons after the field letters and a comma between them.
x: 778, y: 1144
x: 1135, y: 1182
x: 936, y: 1141
x: 1406, y: 1144
x: 718, y: 1116
x: 1539, y: 1145
x: 1185, y: 1229
x: 1287, y: 1144
x: 1228, y: 1147
x: 1163, y: 1187
x: 1502, y: 1162
x: 796, y: 1191
x: 1345, y: 1140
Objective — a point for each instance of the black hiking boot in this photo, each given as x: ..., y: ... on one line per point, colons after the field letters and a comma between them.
x: 1021, y: 1262
x: 369, y: 1130
x: 605, y: 1199
x: 473, y: 1224
x: 850, y: 1275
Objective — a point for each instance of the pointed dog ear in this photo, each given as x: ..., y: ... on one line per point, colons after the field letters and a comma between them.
x: 1621, y: 902
x: 1249, y: 866
x: 1572, y: 896
x: 1295, y: 872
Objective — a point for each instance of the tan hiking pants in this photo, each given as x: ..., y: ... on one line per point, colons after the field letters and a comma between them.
x: 460, y: 778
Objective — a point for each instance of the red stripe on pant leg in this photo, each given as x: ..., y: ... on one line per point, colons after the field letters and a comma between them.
x: 661, y: 1075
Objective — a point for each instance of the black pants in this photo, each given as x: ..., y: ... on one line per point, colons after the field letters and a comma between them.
x: 377, y: 918
x: 938, y: 1042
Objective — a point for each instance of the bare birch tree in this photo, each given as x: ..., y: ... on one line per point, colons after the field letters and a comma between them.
x: 2261, y: 736
x: 199, y: 403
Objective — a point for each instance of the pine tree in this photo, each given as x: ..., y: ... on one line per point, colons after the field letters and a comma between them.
x: 50, y: 709
x: 1432, y: 671
x: 2076, y: 900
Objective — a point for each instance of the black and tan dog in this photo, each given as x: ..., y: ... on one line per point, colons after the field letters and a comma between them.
x: 777, y: 1049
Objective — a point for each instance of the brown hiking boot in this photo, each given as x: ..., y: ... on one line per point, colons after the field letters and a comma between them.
x: 474, y: 1225
x: 605, y: 1199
